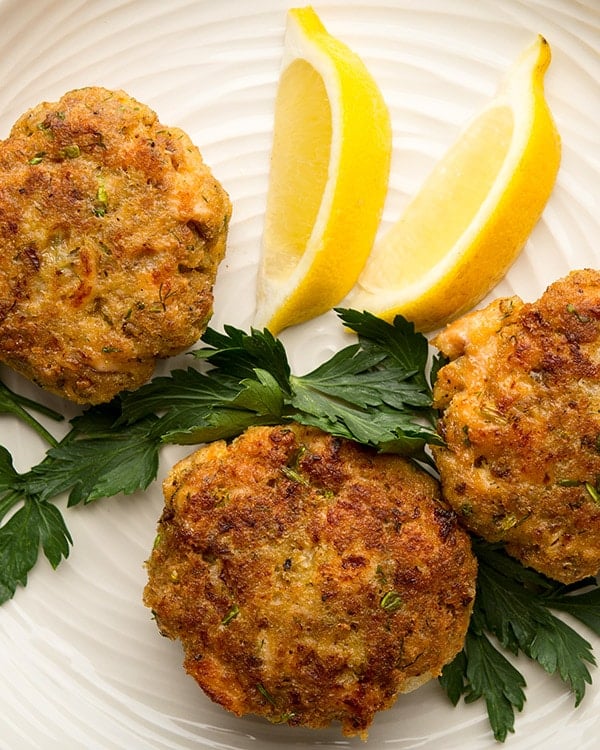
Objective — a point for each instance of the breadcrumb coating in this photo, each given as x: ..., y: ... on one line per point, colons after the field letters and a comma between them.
x: 520, y: 408
x: 309, y: 579
x: 112, y: 229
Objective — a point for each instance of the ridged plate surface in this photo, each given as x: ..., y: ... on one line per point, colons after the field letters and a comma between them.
x: 81, y: 662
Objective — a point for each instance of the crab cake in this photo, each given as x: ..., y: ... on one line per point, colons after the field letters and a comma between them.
x: 521, y: 420
x: 309, y: 579
x: 112, y: 229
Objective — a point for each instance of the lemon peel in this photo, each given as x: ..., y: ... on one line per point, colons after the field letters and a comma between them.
x: 465, y: 227
x: 328, y: 179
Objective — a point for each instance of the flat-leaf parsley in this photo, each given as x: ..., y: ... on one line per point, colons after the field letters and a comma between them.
x: 376, y: 391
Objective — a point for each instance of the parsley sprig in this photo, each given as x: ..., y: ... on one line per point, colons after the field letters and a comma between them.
x: 93, y: 460
x: 36, y: 523
x: 375, y: 391
x: 514, y: 605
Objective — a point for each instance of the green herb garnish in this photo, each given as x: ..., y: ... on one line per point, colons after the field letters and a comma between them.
x: 94, y: 460
x: 593, y: 491
x: 231, y: 615
x: 391, y: 601
x: 514, y: 605
x: 294, y: 476
x: 374, y: 392
x: 580, y: 317
x: 36, y: 523
x: 37, y: 158
x: 70, y: 152
x: 265, y: 693
x: 101, y: 201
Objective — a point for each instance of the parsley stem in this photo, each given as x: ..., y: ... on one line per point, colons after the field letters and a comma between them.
x: 12, y: 403
x: 7, y: 394
x: 35, y: 425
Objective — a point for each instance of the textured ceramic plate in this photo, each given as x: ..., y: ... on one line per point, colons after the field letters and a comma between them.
x: 81, y: 662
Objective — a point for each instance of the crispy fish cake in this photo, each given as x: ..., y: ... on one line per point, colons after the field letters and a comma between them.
x: 521, y: 421
x: 112, y: 228
x: 309, y: 579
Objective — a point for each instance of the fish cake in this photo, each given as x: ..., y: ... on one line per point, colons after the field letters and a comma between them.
x: 309, y: 579
x: 112, y: 229
x: 520, y: 416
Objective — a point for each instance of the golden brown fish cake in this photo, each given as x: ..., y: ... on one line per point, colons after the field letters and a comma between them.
x: 309, y: 579
x: 521, y: 421
x: 112, y: 228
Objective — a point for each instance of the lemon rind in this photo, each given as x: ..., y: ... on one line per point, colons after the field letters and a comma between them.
x: 523, y: 85
x: 315, y: 284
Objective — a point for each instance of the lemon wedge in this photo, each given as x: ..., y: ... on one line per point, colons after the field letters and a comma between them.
x: 458, y: 236
x: 328, y: 178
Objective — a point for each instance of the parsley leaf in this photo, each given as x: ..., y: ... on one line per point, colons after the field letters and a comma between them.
x: 452, y: 678
x: 519, y: 617
x: 491, y: 676
x: 515, y: 604
x: 54, y: 535
x: 97, y: 460
x: 364, y: 395
x: 560, y: 649
x: 187, y: 394
x: 19, y: 546
x: 35, y: 523
x: 374, y: 392
x: 94, y: 460
x: 256, y: 401
x: 199, y: 408
x: 585, y: 607
x: 399, y: 342
x: 365, y: 379
x: 239, y: 354
x: 9, y: 476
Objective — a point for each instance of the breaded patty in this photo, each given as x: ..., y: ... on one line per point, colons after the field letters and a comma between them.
x: 521, y: 421
x: 309, y: 579
x: 111, y: 228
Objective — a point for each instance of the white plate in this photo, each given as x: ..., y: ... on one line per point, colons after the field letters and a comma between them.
x: 81, y: 662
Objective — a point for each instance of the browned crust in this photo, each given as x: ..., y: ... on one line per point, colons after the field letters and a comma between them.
x: 521, y: 419
x: 305, y: 534
x: 112, y: 229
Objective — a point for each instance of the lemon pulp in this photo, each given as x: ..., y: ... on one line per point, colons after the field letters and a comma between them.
x: 423, y: 245
x: 461, y: 232
x: 291, y: 212
x: 328, y: 179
